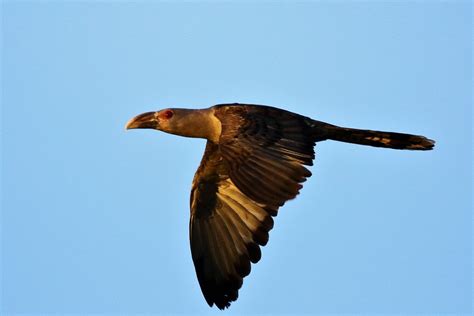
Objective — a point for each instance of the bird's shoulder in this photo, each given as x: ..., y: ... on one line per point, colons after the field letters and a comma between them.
x: 262, y: 123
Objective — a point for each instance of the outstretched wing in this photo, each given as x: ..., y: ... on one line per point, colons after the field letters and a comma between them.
x: 226, y: 230
x: 266, y: 149
x: 239, y: 186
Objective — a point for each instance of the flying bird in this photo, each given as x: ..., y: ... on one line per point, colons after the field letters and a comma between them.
x: 254, y: 162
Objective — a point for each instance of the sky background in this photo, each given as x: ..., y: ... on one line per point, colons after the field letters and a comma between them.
x: 95, y: 219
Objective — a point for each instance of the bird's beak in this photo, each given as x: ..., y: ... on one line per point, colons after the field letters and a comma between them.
x: 145, y: 120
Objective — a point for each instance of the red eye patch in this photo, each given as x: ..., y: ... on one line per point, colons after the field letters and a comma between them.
x: 167, y: 114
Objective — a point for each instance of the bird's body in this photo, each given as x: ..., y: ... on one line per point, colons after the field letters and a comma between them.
x: 253, y: 163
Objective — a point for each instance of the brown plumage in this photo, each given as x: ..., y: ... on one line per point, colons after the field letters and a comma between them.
x: 254, y: 162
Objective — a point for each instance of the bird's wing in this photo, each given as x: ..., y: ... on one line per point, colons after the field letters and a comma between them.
x: 226, y: 229
x: 239, y: 186
x: 266, y: 149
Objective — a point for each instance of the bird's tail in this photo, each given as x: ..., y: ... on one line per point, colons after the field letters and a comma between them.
x: 324, y: 131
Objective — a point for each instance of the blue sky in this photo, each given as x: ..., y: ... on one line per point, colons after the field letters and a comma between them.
x: 95, y: 219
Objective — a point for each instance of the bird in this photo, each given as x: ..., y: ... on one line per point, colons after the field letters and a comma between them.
x: 255, y: 160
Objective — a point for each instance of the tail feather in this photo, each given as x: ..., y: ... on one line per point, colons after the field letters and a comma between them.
x: 323, y: 131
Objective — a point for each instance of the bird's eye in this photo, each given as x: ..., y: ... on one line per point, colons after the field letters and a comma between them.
x: 167, y: 114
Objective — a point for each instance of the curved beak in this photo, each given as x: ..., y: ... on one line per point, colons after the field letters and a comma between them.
x: 145, y: 120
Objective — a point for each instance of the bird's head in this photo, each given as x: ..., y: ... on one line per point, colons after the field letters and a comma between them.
x: 163, y: 120
x: 183, y: 122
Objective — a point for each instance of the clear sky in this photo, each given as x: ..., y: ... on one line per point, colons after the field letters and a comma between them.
x: 95, y: 219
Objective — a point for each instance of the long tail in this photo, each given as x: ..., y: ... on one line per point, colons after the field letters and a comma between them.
x: 324, y: 131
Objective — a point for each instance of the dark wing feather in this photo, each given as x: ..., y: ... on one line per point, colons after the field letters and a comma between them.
x: 226, y: 230
x: 257, y: 166
x: 266, y: 149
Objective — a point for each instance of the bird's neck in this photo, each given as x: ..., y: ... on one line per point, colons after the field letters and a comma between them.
x: 198, y: 123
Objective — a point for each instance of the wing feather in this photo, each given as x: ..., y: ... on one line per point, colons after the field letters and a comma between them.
x: 266, y: 152
x: 226, y: 229
x: 258, y: 165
